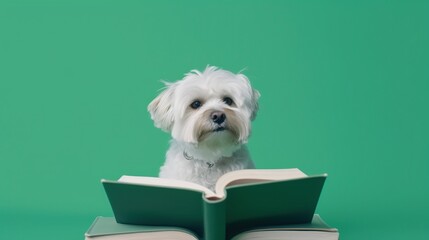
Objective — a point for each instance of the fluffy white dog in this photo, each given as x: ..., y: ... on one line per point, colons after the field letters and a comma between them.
x: 209, y: 116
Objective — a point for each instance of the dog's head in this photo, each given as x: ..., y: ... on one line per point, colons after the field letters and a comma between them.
x: 211, y: 105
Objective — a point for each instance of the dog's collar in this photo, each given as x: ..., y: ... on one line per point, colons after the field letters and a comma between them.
x: 191, y: 158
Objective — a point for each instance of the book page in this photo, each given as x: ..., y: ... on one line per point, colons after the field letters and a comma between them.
x: 239, y: 177
x: 247, y: 176
x: 165, y: 182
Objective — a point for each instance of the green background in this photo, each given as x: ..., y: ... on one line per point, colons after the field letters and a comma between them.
x: 344, y: 88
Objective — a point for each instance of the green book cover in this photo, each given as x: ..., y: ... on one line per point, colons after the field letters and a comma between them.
x: 241, y: 206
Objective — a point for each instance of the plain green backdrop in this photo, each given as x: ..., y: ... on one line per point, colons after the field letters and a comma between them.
x: 344, y: 88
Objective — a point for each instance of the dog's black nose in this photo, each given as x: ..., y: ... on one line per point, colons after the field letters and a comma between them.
x: 218, y: 117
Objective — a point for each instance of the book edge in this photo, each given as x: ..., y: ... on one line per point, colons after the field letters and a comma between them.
x: 87, y: 233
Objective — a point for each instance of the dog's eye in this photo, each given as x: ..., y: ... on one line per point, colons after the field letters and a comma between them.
x: 228, y: 101
x: 196, y: 104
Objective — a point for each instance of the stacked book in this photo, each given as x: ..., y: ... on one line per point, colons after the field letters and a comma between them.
x: 246, y: 204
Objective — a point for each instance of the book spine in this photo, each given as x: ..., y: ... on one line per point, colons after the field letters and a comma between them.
x: 214, y: 220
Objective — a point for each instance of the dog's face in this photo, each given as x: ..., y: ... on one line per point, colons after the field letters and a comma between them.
x: 212, y: 105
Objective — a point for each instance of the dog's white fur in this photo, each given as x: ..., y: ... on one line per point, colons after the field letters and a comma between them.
x: 202, y: 149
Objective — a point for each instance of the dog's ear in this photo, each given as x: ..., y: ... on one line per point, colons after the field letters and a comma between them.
x: 254, y: 103
x: 161, y: 108
x: 253, y: 96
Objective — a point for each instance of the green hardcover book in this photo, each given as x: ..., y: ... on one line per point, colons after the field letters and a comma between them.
x: 242, y: 200
x: 106, y: 228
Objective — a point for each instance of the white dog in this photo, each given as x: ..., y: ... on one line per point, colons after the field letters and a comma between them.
x: 209, y: 116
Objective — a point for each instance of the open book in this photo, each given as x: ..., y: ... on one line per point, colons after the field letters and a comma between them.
x: 242, y: 200
x: 106, y: 228
x: 240, y: 177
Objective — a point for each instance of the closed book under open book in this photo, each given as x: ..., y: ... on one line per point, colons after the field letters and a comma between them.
x: 106, y: 228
